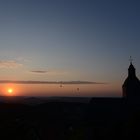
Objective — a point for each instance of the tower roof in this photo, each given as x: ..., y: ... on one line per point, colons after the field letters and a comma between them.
x: 131, y: 67
x: 131, y: 80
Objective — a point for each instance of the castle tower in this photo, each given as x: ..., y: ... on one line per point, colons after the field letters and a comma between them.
x: 131, y: 86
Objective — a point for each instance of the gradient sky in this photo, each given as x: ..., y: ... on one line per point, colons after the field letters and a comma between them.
x: 69, y: 40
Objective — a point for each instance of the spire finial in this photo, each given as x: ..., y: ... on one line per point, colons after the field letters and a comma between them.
x: 130, y: 59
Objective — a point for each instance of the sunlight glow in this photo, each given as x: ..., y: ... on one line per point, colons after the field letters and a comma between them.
x: 10, y: 91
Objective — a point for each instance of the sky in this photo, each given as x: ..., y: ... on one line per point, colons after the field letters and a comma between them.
x: 68, y: 40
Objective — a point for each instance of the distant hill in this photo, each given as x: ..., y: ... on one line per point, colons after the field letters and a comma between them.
x: 40, y: 100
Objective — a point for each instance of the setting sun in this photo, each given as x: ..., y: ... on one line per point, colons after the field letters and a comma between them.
x: 10, y: 91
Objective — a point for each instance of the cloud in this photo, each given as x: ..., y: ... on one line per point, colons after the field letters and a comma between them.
x: 39, y: 71
x: 80, y: 82
x: 49, y: 82
x: 9, y: 64
x: 50, y: 72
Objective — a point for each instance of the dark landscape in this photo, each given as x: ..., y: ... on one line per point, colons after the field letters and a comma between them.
x: 100, y: 118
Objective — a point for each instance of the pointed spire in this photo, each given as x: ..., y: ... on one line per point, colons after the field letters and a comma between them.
x: 131, y: 69
x: 130, y: 59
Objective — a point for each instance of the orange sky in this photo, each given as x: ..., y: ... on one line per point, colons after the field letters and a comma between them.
x: 57, y: 90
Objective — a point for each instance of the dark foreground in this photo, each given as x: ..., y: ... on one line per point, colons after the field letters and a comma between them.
x: 102, y: 118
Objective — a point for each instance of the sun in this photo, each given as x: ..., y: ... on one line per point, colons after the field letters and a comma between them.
x: 10, y: 91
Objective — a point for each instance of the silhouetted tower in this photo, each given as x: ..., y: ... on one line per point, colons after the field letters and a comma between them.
x: 131, y: 86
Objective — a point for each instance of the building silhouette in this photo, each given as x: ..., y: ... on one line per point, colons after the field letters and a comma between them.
x: 131, y: 86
